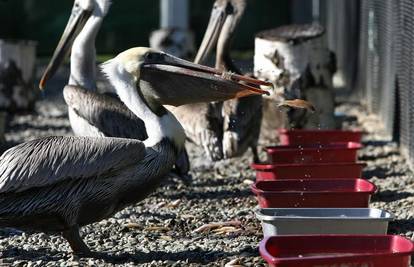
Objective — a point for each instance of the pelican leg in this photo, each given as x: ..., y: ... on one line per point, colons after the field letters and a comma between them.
x: 182, y: 164
x: 75, y: 241
x: 182, y: 167
x: 256, y: 158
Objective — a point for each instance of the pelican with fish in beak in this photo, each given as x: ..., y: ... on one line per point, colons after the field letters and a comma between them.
x: 59, y: 184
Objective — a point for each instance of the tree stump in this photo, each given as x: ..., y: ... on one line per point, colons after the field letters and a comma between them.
x: 17, y: 70
x: 295, y: 58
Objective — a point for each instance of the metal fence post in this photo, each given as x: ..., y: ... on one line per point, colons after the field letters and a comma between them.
x: 174, y: 14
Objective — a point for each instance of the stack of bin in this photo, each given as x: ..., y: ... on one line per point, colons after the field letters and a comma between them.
x: 314, y: 205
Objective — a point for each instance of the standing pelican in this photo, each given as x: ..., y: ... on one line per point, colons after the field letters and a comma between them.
x: 226, y: 129
x: 91, y: 113
x: 58, y: 184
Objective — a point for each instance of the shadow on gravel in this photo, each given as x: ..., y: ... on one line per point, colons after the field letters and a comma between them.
x: 217, y: 182
x: 390, y: 196
x: 219, y: 194
x: 159, y: 216
x: 21, y: 254
x: 367, y: 158
x: 191, y: 256
x: 376, y: 143
x: 401, y: 226
x: 381, y: 173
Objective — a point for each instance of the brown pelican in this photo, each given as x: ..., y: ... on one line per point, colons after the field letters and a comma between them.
x: 91, y: 113
x: 58, y: 184
x: 226, y: 129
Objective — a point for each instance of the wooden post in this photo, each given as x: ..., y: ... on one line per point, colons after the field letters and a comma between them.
x: 296, y: 59
x: 17, y: 69
x: 174, y: 37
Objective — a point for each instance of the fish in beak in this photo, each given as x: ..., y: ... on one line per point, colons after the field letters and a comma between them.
x: 77, y: 21
x: 298, y: 104
x: 223, y: 21
x: 169, y: 80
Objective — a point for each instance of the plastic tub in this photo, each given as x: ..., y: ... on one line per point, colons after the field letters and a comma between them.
x: 322, y: 153
x: 288, y: 221
x: 340, y: 193
x: 303, y: 137
x: 337, y: 170
x: 337, y: 250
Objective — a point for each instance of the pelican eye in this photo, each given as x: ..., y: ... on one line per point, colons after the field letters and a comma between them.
x: 229, y: 8
x: 153, y: 57
x: 149, y: 56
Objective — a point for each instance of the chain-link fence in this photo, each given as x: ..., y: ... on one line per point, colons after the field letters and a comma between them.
x: 381, y: 55
x: 383, y: 49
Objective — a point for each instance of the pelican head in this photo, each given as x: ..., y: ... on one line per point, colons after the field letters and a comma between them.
x: 168, y: 80
x: 82, y: 11
x: 224, y: 18
x: 99, y: 8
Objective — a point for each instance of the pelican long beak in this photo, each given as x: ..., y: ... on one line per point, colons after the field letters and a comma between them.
x: 176, y: 82
x: 77, y: 21
x: 217, y: 19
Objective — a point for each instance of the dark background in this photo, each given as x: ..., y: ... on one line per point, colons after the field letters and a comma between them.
x: 128, y: 22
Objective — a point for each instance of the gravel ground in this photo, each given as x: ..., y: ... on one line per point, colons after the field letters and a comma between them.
x: 160, y: 230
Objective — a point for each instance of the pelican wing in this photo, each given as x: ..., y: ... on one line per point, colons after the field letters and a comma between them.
x: 203, y: 126
x: 108, y: 114
x: 54, y: 159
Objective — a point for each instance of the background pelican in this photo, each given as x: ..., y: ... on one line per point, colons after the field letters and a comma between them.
x: 58, y: 184
x: 226, y: 129
x: 91, y: 113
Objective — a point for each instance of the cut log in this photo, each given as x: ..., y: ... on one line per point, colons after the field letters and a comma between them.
x: 17, y: 69
x: 323, y: 99
x: 295, y: 58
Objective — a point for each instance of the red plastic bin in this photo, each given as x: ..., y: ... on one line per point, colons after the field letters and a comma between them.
x: 337, y: 250
x: 341, y: 193
x: 339, y: 170
x: 317, y: 153
x: 303, y: 137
